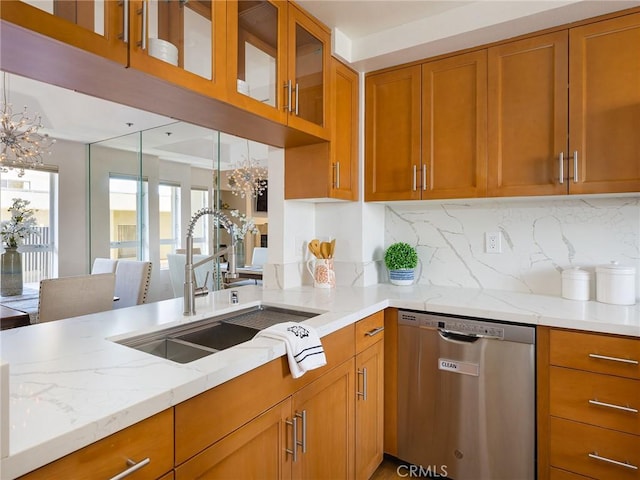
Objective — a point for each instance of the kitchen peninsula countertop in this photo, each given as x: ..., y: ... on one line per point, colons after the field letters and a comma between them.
x: 71, y: 385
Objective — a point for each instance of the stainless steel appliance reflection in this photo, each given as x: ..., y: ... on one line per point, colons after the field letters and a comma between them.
x: 466, y: 397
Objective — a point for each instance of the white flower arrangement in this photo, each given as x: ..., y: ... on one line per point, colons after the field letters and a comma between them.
x: 247, y: 225
x: 22, y: 224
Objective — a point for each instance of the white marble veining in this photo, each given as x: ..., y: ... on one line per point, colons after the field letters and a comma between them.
x: 70, y: 385
x: 540, y: 237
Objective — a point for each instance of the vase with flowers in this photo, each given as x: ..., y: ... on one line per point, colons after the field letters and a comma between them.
x: 13, y: 232
x: 246, y: 225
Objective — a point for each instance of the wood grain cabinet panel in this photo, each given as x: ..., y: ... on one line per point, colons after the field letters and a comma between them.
x: 150, y: 439
x: 604, y: 106
x: 76, y: 26
x: 528, y: 116
x: 454, y: 127
x: 392, y: 134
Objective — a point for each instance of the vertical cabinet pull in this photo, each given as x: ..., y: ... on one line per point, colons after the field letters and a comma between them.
x: 125, y: 21
x: 561, y: 169
x: 287, y: 86
x: 613, y: 359
x: 296, y: 109
x: 362, y: 393
x: 336, y: 175
x: 415, y: 180
x: 424, y: 176
x: 143, y: 31
x: 595, y: 456
x: 575, y: 166
x: 302, y: 443
x: 133, y: 467
x: 294, y: 428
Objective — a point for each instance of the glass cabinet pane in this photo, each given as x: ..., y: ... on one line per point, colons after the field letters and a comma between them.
x: 258, y: 50
x: 88, y: 14
x: 309, y: 76
x: 180, y: 33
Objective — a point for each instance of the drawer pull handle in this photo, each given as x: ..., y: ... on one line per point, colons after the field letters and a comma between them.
x: 133, y: 467
x: 374, y: 332
x: 362, y: 393
x: 613, y: 359
x: 615, y: 462
x: 611, y: 405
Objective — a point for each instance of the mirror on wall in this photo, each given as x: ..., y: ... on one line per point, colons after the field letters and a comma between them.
x: 134, y: 179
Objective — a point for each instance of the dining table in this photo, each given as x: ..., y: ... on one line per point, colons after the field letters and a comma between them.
x: 19, y: 310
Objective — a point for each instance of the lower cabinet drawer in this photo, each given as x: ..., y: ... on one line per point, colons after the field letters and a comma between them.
x: 148, y: 443
x: 602, y: 400
x: 557, y: 474
x: 595, y: 452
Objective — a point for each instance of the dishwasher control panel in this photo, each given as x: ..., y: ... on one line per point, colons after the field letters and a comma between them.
x: 476, y: 328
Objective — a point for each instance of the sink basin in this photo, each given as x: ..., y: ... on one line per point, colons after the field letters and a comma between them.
x: 186, y: 343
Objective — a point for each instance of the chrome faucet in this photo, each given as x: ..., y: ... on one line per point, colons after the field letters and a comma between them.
x: 190, y: 288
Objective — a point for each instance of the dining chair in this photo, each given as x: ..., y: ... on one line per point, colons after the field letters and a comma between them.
x: 67, y: 297
x: 132, y: 283
x: 103, y: 265
x: 176, y: 272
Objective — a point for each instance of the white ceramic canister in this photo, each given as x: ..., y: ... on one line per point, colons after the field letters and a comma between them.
x: 616, y: 284
x: 576, y: 284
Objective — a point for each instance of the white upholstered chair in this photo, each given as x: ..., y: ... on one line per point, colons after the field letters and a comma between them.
x: 132, y: 283
x: 259, y: 257
x: 67, y: 297
x: 104, y: 265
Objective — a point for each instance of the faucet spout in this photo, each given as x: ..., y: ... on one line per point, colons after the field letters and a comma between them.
x: 230, y: 251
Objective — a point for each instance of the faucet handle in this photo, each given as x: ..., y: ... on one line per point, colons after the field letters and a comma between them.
x: 203, y: 290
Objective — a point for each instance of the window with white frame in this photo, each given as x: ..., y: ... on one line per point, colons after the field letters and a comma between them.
x: 39, y: 187
x: 169, y: 220
x: 127, y: 213
x: 200, y: 199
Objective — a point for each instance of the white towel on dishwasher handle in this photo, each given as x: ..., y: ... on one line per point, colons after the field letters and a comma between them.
x: 304, y: 349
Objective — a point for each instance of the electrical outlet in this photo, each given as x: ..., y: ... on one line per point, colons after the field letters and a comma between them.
x: 493, y: 242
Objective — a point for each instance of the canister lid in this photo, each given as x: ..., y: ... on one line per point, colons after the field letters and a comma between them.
x: 614, y: 268
x: 576, y: 273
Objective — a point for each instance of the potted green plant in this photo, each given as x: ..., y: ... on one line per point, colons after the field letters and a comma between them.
x: 401, y: 260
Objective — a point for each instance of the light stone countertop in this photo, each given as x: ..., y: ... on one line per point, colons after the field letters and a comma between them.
x: 71, y: 385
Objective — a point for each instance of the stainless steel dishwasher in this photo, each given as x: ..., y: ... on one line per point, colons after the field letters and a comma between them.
x: 466, y: 397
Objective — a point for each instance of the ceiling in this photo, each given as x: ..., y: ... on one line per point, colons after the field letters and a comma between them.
x: 369, y: 34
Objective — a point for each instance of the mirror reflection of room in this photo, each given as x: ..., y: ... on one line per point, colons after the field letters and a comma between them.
x: 143, y: 188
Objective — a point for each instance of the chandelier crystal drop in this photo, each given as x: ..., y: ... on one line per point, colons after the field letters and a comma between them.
x: 21, y: 145
x: 248, y: 179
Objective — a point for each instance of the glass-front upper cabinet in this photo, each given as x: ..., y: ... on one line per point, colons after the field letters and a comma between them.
x: 97, y: 26
x: 181, y: 41
x: 278, y: 58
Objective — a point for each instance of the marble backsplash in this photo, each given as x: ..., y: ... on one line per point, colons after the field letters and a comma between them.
x: 540, y: 238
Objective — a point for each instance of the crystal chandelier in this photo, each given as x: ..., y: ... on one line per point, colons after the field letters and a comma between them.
x: 21, y: 146
x: 248, y: 179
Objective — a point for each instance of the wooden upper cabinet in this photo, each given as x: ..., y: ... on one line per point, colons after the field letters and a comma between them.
x: 454, y: 127
x: 181, y: 42
x: 604, y: 106
x: 329, y: 170
x: 528, y: 117
x: 95, y: 26
x: 278, y: 64
x: 392, y: 134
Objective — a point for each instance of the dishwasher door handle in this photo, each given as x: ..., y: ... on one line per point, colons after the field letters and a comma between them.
x: 456, y: 337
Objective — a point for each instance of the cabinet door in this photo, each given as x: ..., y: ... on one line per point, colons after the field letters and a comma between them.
x: 392, y: 135
x: 257, y: 68
x: 527, y: 116
x: 344, y: 131
x: 256, y: 450
x: 309, y: 52
x: 325, y: 425
x: 604, y: 106
x: 95, y: 26
x: 181, y: 42
x: 454, y: 127
x: 369, y: 410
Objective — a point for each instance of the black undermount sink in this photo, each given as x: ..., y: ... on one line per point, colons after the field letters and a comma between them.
x: 186, y: 343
